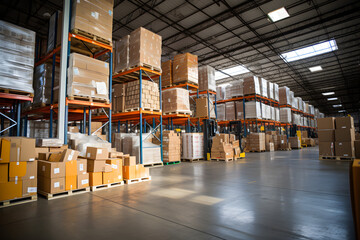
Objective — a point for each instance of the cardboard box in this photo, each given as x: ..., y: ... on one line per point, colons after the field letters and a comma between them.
x: 58, y: 149
x: 129, y: 161
x: 51, y: 169
x: 96, y: 165
x: 207, y: 78
x: 121, y: 54
x: 107, y: 177
x: 345, y: 135
x: 97, y: 153
x: 81, y: 166
x: 70, y: 182
x: 83, y: 180
x: 129, y: 172
x: 10, y: 190
x: 71, y: 168
x: 202, y: 108
x: 15, y: 149
x: 175, y: 100
x: 108, y: 168
x: 326, y: 123
x: 185, y: 68
x: 327, y: 135
x: 4, y: 172
x: 64, y: 156
x: 166, y: 75
x: 51, y: 185
x: 345, y: 149
x: 357, y: 148
x: 95, y: 178
x: 17, y: 170
x: 327, y: 149
x: 116, y: 164
x: 29, y: 187
x: 344, y: 122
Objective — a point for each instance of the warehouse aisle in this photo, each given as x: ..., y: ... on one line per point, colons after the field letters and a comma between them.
x: 279, y: 195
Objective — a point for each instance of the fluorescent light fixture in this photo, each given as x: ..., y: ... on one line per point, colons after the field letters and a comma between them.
x: 233, y: 71
x: 328, y: 93
x: 315, y: 69
x: 310, y: 51
x: 341, y: 111
x: 337, y: 105
x: 278, y: 14
x: 332, y: 99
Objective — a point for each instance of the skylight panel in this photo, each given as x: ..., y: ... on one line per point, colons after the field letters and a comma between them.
x: 315, y: 69
x: 310, y: 51
x: 233, y: 71
x: 278, y: 14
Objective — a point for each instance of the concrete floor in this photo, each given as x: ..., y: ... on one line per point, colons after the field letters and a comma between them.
x: 280, y: 195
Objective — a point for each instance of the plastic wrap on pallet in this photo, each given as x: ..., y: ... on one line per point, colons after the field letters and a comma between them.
x: 145, y: 49
x: 292, y: 99
x: 166, y: 74
x: 239, y: 110
x: 17, y: 48
x: 185, y: 68
x: 273, y: 113
x: 40, y: 129
x: 207, y: 78
x: 83, y: 141
x: 300, y: 104
x: 270, y: 89
x: 54, y: 31
x: 276, y: 92
x: 277, y: 114
x: 220, y: 93
x: 93, y: 16
x: 265, y: 111
x: 228, y: 92
x: 237, y: 88
x: 192, y: 146
x: 230, y: 111
x: 311, y: 109
x: 221, y: 112
x: 151, y: 151
x: 175, y: 100
x: 42, y: 84
x: 316, y: 111
x: 306, y: 109
x: 285, y: 115
x: 263, y: 87
x: 296, y: 119
x: 252, y: 110
x: 284, y: 96
x: 295, y: 103
x: 121, y: 54
x: 252, y: 85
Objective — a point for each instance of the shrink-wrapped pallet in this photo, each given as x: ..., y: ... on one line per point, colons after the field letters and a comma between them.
x: 221, y: 112
x: 277, y: 114
x: 192, y: 146
x: 236, y: 89
x: 220, y: 93
x: 252, y: 110
x: 273, y: 114
x: 295, y: 103
x: 43, y: 85
x: 296, y: 119
x: 265, y: 111
x: 230, y: 111
x: 166, y: 74
x: 285, y: 115
x: 300, y: 104
x: 228, y: 92
x: 311, y: 109
x: 284, y: 96
x: 17, y: 48
x: 207, y: 78
x: 176, y: 100
x: 276, y: 92
x: 121, y: 59
x: 185, y: 69
x: 252, y: 85
x: 270, y: 90
x: 263, y: 87
x: 292, y: 96
x: 239, y: 108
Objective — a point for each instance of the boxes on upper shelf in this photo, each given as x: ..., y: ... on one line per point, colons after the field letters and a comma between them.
x: 175, y: 100
x: 207, y: 78
x: 252, y: 85
x: 166, y: 75
x: 121, y: 58
x: 185, y: 69
x: 202, y: 107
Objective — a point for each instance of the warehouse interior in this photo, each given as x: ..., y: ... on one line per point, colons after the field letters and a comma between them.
x: 211, y: 119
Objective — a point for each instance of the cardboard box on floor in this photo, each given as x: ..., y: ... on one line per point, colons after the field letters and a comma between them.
x: 83, y: 180
x: 51, y: 185
x: 327, y: 149
x: 345, y: 149
x: 326, y: 123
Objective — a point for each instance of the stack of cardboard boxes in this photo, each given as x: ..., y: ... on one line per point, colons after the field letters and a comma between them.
x: 222, y: 148
x: 256, y: 142
x: 121, y: 54
x: 150, y: 95
x: 166, y: 75
x: 207, y: 79
x: 192, y: 146
x: 132, y: 170
x: 185, y: 69
x: 295, y: 142
x: 18, y: 168
x: 202, y: 107
x: 344, y: 137
x: 270, y: 137
x: 175, y: 100
x: 171, y: 146
x: 118, y: 98
x: 326, y: 135
x: 98, y: 168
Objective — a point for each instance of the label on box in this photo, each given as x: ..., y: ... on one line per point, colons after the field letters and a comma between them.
x: 85, y: 181
x: 76, y: 71
x: 32, y: 177
x: 81, y: 167
x: 18, y: 154
x: 114, y: 166
x: 110, y: 12
x: 346, y: 155
x: 95, y: 15
x: 88, y: 155
x: 16, y: 179
x: 101, y: 88
x: 17, y: 163
x: 56, y: 170
x: 31, y: 159
x: 99, y: 151
x: 32, y: 189
x: 340, y: 144
x: 71, y: 155
x: 56, y: 184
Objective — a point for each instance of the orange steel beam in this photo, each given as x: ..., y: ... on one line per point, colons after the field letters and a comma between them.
x: 191, y: 86
x: 87, y: 103
x: 44, y: 59
x: 73, y: 35
x: 134, y: 70
x: 17, y: 97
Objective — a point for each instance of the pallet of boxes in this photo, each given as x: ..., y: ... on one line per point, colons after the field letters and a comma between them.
x: 18, y: 171
x: 336, y: 138
x: 255, y: 142
x: 135, y: 173
x: 222, y: 149
x: 192, y: 147
x: 171, y: 147
x: 306, y: 141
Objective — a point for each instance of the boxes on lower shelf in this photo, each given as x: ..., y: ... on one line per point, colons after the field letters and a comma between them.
x: 171, y: 146
x: 192, y: 146
x: 175, y: 100
x: 150, y: 95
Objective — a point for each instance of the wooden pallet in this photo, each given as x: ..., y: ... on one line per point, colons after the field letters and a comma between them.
x: 184, y: 82
x: 284, y: 149
x: 91, y: 36
x: 158, y: 164
x: 172, y: 163
x: 18, y: 92
x: 17, y: 201
x: 145, y: 65
x: 89, y: 99
x: 256, y: 150
x: 191, y: 160
x: 167, y: 86
x: 336, y: 158
x: 222, y: 159
x: 106, y: 186
x: 138, y: 109
x: 51, y: 196
x: 178, y: 112
x: 137, y: 180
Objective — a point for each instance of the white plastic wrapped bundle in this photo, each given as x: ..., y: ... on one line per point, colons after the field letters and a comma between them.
x: 292, y: 102
x: 284, y: 96
x: 270, y: 90
x: 316, y: 112
x: 84, y: 141
x: 228, y: 92
x: 192, y: 146
x: 237, y: 88
x: 295, y: 103
x: 264, y: 86
x: 151, y: 151
x: 42, y: 84
x: 265, y: 111
x: 311, y: 109
x: 300, y: 103
x: 252, y: 85
x: 306, y: 109
x: 277, y: 114
x: 321, y: 115
x: 273, y: 114
x: 17, y: 48
x: 276, y: 92
x: 230, y: 111
x: 207, y: 78
x: 296, y: 119
x: 252, y: 110
x: 285, y: 115
x: 220, y: 112
x: 220, y: 92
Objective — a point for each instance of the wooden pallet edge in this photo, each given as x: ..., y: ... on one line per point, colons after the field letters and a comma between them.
x: 88, y: 98
x: 51, y: 196
x: 18, y: 201
x: 106, y: 186
x: 91, y: 36
x: 137, y: 180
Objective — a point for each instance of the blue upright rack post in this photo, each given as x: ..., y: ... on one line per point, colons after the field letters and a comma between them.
x: 140, y: 122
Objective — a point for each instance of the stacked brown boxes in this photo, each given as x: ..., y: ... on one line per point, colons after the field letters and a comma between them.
x: 230, y: 111
x: 88, y: 77
x: 221, y: 112
x: 166, y: 75
x: 222, y: 148
x: 171, y: 146
x: 344, y: 137
x: 283, y: 142
x: 252, y: 85
x: 256, y: 142
x: 326, y: 135
x: 149, y: 97
x: 18, y: 168
x: 284, y: 96
x: 207, y: 79
x: 93, y: 17
x: 295, y: 142
x: 239, y: 110
x: 357, y: 145
x: 175, y: 100
x: 118, y: 98
x: 116, y: 174
x: 96, y: 164
x: 121, y: 54
x: 185, y: 69
x: 202, y: 107
x: 132, y: 170
x: 269, y: 142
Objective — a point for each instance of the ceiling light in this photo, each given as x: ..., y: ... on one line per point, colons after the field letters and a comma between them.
x: 233, y: 71
x: 278, y: 14
x: 328, y: 93
x: 341, y: 111
x: 315, y: 69
x: 332, y: 99
x: 337, y: 105
x: 310, y: 51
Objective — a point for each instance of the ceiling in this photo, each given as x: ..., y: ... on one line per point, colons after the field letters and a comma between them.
x: 227, y: 33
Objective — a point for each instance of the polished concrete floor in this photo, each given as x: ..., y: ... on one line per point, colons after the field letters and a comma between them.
x: 280, y: 195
